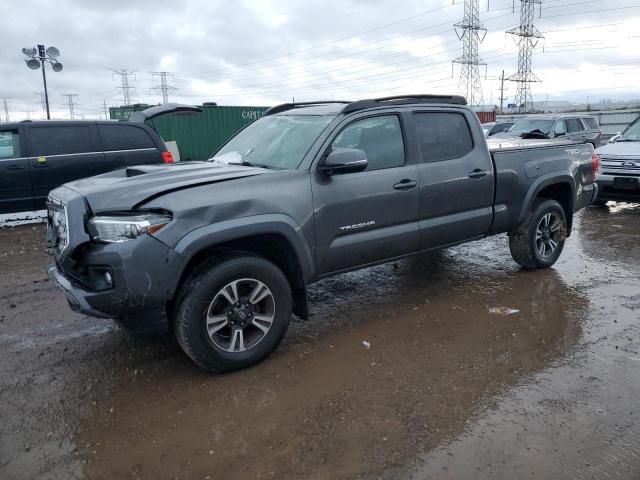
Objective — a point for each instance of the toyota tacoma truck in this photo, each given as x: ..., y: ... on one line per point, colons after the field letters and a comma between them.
x: 224, y: 250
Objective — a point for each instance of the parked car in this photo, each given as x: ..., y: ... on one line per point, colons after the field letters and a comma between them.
x: 619, y: 174
x: 225, y: 249
x: 573, y: 127
x: 492, y: 128
x: 38, y: 156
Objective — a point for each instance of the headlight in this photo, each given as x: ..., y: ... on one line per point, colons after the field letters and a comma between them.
x: 122, y: 228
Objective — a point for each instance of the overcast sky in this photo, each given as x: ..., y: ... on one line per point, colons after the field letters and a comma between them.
x: 262, y: 52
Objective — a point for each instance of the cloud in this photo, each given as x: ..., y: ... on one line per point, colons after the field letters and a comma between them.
x: 268, y: 51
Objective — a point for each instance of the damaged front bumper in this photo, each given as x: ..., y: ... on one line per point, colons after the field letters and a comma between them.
x: 142, y: 274
x: 76, y: 297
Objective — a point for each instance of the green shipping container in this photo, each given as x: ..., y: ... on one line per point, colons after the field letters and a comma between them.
x: 198, y: 135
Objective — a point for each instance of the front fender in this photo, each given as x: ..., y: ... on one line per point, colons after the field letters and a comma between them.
x: 238, y: 228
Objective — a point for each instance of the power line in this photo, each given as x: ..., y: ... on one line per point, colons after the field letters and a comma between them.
x: 332, y: 42
x: 367, y: 81
x: 472, y: 32
x: 357, y: 49
x: 528, y: 37
x: 313, y: 79
x: 125, y: 88
x: 164, y: 88
x: 71, y: 103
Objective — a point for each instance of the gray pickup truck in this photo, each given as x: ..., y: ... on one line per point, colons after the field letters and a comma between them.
x: 225, y: 249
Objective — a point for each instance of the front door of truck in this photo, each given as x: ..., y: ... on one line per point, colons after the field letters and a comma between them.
x: 15, y: 183
x: 367, y: 216
x: 456, y: 178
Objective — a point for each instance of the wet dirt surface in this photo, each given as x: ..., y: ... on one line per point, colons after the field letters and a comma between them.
x: 448, y: 388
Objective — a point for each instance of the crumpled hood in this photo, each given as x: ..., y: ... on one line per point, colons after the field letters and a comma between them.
x: 127, y: 188
x: 620, y: 149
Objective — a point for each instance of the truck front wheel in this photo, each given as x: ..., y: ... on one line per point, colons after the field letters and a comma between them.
x: 539, y: 240
x: 233, y: 313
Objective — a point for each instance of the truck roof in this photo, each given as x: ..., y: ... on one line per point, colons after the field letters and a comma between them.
x: 57, y: 123
x: 334, y: 107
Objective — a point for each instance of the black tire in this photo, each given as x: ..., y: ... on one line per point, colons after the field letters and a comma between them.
x: 523, y: 243
x: 197, y: 298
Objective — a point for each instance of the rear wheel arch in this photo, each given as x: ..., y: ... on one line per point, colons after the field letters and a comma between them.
x: 562, y: 189
x: 563, y: 194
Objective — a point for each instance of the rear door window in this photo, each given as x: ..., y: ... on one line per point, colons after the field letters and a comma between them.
x: 124, y: 137
x: 61, y: 140
x: 9, y: 144
x: 443, y: 136
x: 574, y: 125
x: 590, y: 123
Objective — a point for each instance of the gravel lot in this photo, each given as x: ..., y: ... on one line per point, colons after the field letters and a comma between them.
x: 453, y: 385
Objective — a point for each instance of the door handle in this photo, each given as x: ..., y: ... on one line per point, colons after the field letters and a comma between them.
x: 405, y: 184
x: 477, y: 173
x: 15, y: 167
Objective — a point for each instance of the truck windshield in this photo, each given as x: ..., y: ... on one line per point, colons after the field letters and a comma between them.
x: 632, y: 134
x: 528, y: 125
x: 278, y: 141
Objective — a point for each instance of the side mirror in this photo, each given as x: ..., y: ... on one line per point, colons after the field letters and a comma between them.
x: 344, y: 160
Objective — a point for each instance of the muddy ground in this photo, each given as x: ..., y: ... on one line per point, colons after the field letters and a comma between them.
x: 447, y: 389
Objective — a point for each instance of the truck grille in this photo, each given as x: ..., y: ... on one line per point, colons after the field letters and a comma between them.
x: 57, y: 225
x: 620, y: 166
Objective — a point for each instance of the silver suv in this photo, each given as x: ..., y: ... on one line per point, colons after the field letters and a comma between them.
x: 619, y: 173
x: 573, y: 127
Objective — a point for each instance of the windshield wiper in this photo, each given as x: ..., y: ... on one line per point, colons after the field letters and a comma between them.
x: 627, y: 140
x: 246, y: 163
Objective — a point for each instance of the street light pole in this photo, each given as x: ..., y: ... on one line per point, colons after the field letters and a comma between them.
x: 38, y: 58
x: 44, y: 78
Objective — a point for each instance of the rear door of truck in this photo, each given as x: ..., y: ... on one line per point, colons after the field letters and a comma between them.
x: 126, y: 144
x: 456, y: 177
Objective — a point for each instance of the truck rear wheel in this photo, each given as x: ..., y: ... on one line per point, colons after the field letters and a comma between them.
x: 539, y: 240
x: 233, y: 313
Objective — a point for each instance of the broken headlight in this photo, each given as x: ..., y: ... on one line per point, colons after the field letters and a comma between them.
x: 116, y: 228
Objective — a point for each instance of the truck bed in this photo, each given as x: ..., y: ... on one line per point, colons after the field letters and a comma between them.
x: 522, y: 167
x: 502, y: 144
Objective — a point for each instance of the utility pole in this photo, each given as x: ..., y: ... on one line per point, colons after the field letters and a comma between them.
x: 43, y: 103
x: 6, y: 109
x: 125, y: 88
x: 164, y: 88
x: 106, y: 113
x: 502, y: 93
x: 528, y: 37
x: 71, y: 103
x: 472, y: 32
x: 27, y: 114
